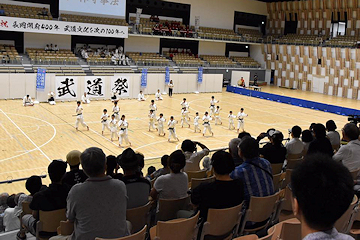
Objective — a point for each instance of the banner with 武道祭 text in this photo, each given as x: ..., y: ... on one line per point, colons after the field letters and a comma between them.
x: 95, y: 86
x: 120, y: 85
x: 66, y: 88
x: 61, y: 27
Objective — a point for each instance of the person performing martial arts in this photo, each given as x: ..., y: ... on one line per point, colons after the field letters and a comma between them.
x: 172, y: 133
x: 51, y: 99
x: 240, y: 117
x: 158, y: 95
x: 231, y: 118
x: 206, y: 122
x: 196, y: 122
x: 141, y: 96
x: 80, y: 117
x: 85, y: 98
x: 152, y: 118
x: 153, y: 107
x: 161, y: 120
x: 123, y: 133
x: 217, y: 115
x: 212, y: 105
x: 27, y: 101
x: 116, y: 111
x: 184, y: 117
x: 113, y: 127
x: 105, y: 122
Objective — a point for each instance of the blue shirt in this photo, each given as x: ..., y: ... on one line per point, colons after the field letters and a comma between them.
x: 332, y: 234
x: 256, y: 181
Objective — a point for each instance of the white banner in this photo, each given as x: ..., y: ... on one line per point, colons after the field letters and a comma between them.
x: 66, y: 88
x: 103, y: 7
x: 120, y: 84
x: 95, y: 86
x: 62, y: 27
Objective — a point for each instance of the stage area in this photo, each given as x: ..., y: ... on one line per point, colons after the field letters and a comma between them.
x: 30, y: 137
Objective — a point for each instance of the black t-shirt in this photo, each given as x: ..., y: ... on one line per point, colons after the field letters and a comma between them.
x: 273, y: 153
x: 217, y: 195
x: 321, y: 145
x: 50, y: 199
x: 74, y: 176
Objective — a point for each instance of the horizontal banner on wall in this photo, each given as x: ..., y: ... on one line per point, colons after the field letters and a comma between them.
x: 61, y: 27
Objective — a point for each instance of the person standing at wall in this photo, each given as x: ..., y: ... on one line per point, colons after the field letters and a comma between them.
x: 171, y: 86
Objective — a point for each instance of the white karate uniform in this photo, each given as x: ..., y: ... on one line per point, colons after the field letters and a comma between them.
x: 161, y: 121
x: 158, y: 96
x: 241, y: 123
x: 116, y: 110
x: 28, y: 101
x: 185, y: 105
x: 206, y: 123
x: 152, y: 118
x: 123, y: 133
x: 153, y: 107
x: 115, y: 59
x: 113, y: 128
x: 184, y: 117
x: 217, y: 115
x: 79, y: 117
x: 105, y: 122
x: 172, y: 132
x: 51, y: 95
x: 85, y: 99
x: 141, y: 97
x: 212, y: 106
x: 231, y: 118
x: 196, y: 123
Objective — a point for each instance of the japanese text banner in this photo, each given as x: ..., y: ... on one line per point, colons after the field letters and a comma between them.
x: 62, y: 27
x: 66, y: 88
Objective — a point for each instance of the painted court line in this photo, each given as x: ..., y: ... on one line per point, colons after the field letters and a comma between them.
x: 11, y: 137
x: 148, y: 135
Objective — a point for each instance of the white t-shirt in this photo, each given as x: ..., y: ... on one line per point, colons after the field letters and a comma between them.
x: 172, y: 186
x: 334, y: 137
x: 10, y: 221
x: 193, y: 159
x: 295, y: 146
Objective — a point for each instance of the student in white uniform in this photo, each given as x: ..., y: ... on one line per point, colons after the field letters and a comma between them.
x: 161, y: 120
x: 186, y: 105
x: 113, y: 127
x: 172, y: 133
x: 184, y: 117
x: 85, y: 98
x: 152, y: 106
x: 196, y: 122
x: 123, y: 133
x: 217, y: 115
x: 79, y: 116
x: 152, y: 118
x: 113, y: 96
x: 104, y: 121
x: 51, y: 99
x: 141, y: 96
x: 231, y: 118
x: 158, y: 95
x: 212, y: 105
x: 206, y: 122
x: 116, y: 111
x: 27, y: 101
x: 240, y: 117
x: 171, y: 87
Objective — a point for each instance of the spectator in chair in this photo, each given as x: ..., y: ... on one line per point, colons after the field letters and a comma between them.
x: 193, y: 157
x: 164, y: 170
x: 349, y: 154
x: 76, y: 175
x: 98, y: 206
x: 295, y: 146
x: 50, y: 199
x: 112, y: 167
x: 3, y: 206
x: 321, y: 143
x: 332, y: 134
x: 233, y: 150
x: 255, y: 172
x: 138, y: 188
x: 175, y: 184
x: 274, y: 151
x: 11, y: 221
x: 306, y: 138
x: 315, y: 181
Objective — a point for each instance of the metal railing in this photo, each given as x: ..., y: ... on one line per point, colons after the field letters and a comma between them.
x: 20, y: 179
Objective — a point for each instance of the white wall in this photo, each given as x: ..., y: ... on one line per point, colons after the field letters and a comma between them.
x: 220, y: 13
x: 236, y: 76
x: 212, y: 48
x: 24, y: 3
x: 257, y: 55
x: 39, y: 40
x: 142, y: 44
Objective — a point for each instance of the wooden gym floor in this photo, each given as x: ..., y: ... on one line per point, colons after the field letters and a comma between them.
x: 31, y: 137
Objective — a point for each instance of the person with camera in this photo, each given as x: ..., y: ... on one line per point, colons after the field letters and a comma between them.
x: 192, y: 156
x: 273, y: 151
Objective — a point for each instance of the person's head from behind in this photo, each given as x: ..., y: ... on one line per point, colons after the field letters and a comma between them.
x: 56, y: 170
x: 93, y: 161
x: 222, y: 163
x: 244, y: 134
x: 248, y: 148
x: 10, y: 201
x: 111, y: 165
x: 73, y: 159
x: 165, y: 161
x: 177, y: 161
x: 350, y: 132
x: 188, y: 146
x: 296, y: 132
x: 319, y: 130
x: 311, y: 128
x: 318, y: 180
x: 141, y: 159
x: 306, y: 136
x: 233, y: 147
x: 129, y: 161
x: 277, y: 138
x: 33, y: 184
x: 3, y: 198
x: 151, y: 170
x: 330, y: 126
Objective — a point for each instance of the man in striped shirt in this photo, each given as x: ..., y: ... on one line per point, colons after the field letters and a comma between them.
x: 255, y: 172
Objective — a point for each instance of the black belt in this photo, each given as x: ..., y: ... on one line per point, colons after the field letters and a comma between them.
x: 171, y: 128
x: 79, y: 114
x: 212, y: 105
x: 122, y: 129
x: 116, y: 113
x: 104, y: 121
x: 206, y: 123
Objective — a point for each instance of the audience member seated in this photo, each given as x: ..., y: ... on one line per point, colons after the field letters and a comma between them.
x: 332, y: 134
x: 97, y: 206
x: 319, y: 180
x: 10, y: 221
x: 306, y: 138
x: 255, y: 172
x: 321, y: 143
x: 295, y: 146
x: 193, y: 157
x: 233, y: 150
x: 164, y: 170
x: 138, y: 188
x: 3, y: 207
x: 112, y: 167
x: 76, y: 175
x: 175, y: 184
x: 349, y: 154
x: 274, y: 151
x: 241, y: 82
x: 52, y: 198
x: 44, y: 12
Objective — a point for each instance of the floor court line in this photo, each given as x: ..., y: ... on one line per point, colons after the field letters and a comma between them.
x: 7, y: 132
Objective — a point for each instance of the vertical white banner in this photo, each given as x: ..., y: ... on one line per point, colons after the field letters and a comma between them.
x: 95, y: 86
x: 66, y: 87
x: 121, y: 85
x: 197, y: 23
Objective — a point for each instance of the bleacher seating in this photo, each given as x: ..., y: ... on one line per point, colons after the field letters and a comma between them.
x: 63, y: 71
x: 8, y: 54
x: 90, y: 19
x: 218, y: 33
x: 246, y: 62
x: 12, y: 69
x: 299, y: 39
x: 343, y: 41
x: 40, y: 56
x: 160, y: 70
x: 104, y: 71
x: 25, y: 12
x: 185, y: 59
x: 250, y: 35
x: 220, y: 61
x: 145, y: 59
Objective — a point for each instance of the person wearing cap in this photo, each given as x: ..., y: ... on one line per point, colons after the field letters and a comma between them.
x: 76, y: 175
x: 52, y: 198
x: 274, y: 151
